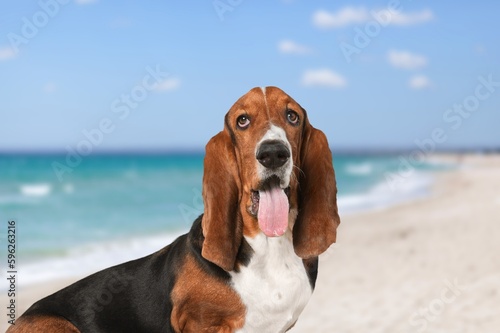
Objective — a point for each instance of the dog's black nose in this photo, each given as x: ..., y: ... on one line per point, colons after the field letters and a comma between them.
x: 272, y: 154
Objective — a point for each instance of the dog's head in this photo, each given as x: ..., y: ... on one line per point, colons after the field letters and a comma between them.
x: 268, y: 171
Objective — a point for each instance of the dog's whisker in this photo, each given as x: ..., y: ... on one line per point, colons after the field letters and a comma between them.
x: 300, y: 170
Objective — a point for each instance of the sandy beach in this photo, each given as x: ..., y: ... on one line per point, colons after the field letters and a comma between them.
x: 430, y: 265
x: 426, y: 266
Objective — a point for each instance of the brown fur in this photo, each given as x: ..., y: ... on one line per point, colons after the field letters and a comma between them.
x: 204, y: 304
x: 222, y: 225
x: 42, y: 324
x: 231, y: 175
x: 316, y: 225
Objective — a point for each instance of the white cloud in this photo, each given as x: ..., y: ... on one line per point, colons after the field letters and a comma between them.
x: 341, y: 18
x: 357, y: 15
x: 7, y: 53
x: 323, y: 78
x: 406, y: 60
x: 168, y: 84
x: 85, y: 2
x: 418, y: 82
x: 289, y: 46
x: 400, y: 18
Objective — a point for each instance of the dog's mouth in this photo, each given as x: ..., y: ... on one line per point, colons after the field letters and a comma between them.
x: 270, y: 203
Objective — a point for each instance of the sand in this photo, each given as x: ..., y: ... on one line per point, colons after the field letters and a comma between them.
x: 430, y: 265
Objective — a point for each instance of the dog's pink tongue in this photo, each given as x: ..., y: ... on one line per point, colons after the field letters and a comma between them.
x: 273, y: 212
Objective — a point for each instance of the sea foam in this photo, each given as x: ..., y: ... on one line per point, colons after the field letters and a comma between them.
x: 85, y: 260
x: 382, y: 195
x: 36, y: 190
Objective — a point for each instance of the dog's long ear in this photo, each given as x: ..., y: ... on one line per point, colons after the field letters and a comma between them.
x: 316, y: 226
x: 222, y: 222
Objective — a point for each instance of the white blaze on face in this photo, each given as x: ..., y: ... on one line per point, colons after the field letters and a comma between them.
x: 263, y: 91
x: 276, y: 133
x: 273, y: 202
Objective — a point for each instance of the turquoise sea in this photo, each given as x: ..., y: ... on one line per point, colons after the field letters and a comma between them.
x: 107, y: 209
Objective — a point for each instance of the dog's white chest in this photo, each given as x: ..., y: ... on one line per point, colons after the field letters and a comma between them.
x: 274, y: 287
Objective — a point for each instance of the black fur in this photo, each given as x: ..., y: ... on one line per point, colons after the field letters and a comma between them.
x: 311, y: 266
x: 132, y: 297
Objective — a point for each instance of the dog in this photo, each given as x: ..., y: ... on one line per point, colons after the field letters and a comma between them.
x: 249, y: 262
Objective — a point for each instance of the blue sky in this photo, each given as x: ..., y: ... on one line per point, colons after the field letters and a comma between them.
x: 369, y: 81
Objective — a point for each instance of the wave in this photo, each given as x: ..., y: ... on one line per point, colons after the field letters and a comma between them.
x: 36, y: 190
x: 88, y: 259
x: 382, y: 195
x: 359, y: 169
x: 8, y: 200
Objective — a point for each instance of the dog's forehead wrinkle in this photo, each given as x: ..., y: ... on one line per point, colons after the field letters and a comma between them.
x: 263, y: 89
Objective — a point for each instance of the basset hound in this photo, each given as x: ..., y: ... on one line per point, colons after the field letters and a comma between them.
x: 248, y: 264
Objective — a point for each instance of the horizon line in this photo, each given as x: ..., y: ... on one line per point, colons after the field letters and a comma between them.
x: 201, y: 150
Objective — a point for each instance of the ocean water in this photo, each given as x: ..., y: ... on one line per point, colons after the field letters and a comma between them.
x: 109, y: 209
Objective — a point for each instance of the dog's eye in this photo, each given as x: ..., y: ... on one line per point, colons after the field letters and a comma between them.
x: 293, y: 117
x: 243, y: 122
